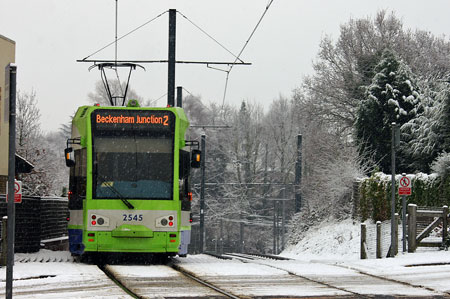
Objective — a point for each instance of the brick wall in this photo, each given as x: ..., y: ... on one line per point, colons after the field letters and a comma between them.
x: 3, y: 180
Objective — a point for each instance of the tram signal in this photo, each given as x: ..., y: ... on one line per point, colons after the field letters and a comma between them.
x: 196, y: 158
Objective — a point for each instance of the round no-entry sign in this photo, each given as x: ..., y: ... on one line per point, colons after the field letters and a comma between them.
x: 17, y: 191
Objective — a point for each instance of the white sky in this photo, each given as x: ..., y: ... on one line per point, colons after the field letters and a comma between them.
x: 51, y: 35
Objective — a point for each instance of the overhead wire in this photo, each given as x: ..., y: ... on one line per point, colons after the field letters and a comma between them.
x: 126, y: 34
x: 208, y: 35
x: 243, y: 48
x: 153, y: 101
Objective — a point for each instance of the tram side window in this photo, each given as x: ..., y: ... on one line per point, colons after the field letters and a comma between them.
x: 184, y: 172
x: 77, y: 184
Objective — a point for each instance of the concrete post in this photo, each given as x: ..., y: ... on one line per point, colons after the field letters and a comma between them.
x: 379, y: 240
x: 363, y: 241
x: 395, y: 245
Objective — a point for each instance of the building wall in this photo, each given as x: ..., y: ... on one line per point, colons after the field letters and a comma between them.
x: 7, y: 55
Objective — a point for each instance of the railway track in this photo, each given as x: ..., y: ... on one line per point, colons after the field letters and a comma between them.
x: 231, y: 275
x: 252, y: 258
x: 261, y: 258
x: 162, y: 281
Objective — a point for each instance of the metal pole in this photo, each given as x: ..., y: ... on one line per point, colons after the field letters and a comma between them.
x: 171, y: 60
x: 283, y: 220
x: 274, y: 227
x: 404, y: 220
x: 11, y: 72
x: 179, y: 96
x: 391, y: 252
x: 298, y: 175
x: 221, y: 236
x: 202, y: 193
x: 277, y: 228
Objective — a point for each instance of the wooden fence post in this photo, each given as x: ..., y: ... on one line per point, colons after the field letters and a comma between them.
x: 412, y: 227
x: 4, y: 241
x: 444, y: 225
x: 378, y: 239
x: 363, y: 242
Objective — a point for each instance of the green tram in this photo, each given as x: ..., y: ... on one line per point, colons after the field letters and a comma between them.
x: 129, y: 180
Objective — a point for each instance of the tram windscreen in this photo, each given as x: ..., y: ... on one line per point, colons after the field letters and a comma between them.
x: 132, y: 163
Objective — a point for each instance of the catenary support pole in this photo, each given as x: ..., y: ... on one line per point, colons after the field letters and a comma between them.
x: 298, y: 175
x: 391, y: 252
x: 11, y: 72
x: 274, y: 227
x: 171, y: 60
x: 283, y: 218
x: 202, y: 194
x: 179, y: 96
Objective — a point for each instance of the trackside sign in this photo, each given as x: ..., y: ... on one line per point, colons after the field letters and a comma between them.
x: 17, y: 191
x: 404, y: 186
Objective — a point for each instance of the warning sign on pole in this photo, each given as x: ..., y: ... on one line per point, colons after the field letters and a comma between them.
x: 17, y: 191
x: 404, y: 186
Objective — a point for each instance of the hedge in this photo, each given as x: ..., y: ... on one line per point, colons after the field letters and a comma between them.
x: 374, y: 200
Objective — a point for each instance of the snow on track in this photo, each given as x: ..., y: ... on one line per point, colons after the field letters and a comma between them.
x: 60, y: 280
x: 158, y: 281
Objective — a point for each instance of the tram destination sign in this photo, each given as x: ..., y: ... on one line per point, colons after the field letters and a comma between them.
x: 117, y: 119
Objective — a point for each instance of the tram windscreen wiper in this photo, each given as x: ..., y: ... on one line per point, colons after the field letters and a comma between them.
x: 110, y: 187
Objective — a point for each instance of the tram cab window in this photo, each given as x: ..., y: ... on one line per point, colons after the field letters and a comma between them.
x: 77, y: 183
x: 133, y: 167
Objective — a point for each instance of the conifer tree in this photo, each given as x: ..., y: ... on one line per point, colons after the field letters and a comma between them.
x: 390, y: 97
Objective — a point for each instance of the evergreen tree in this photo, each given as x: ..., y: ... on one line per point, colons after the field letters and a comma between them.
x: 428, y: 134
x: 391, y: 97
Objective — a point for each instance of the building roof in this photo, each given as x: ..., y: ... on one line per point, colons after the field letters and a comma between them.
x: 7, y: 39
x: 22, y: 165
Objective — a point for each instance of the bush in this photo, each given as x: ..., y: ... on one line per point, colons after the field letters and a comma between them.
x: 427, y: 190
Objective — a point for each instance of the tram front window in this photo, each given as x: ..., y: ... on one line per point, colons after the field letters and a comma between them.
x: 133, y: 167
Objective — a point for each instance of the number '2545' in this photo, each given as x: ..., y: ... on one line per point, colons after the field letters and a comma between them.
x: 132, y: 217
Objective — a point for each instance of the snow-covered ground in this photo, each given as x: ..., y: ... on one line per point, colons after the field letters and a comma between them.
x: 329, y: 250
x: 330, y: 240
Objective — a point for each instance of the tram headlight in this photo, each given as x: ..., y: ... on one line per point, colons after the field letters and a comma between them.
x: 168, y: 221
x: 99, y: 220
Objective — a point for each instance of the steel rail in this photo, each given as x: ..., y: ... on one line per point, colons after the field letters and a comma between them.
x: 118, y: 282
x: 204, y: 283
x: 247, y: 258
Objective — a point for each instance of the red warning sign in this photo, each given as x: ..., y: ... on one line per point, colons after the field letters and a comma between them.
x: 17, y: 191
x: 404, y: 187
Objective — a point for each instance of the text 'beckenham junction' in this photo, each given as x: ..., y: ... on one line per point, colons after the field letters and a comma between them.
x: 152, y: 119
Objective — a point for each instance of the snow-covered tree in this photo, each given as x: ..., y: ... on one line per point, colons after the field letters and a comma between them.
x: 391, y: 97
x: 29, y: 143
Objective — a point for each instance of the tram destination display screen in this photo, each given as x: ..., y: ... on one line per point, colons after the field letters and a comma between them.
x: 112, y: 119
